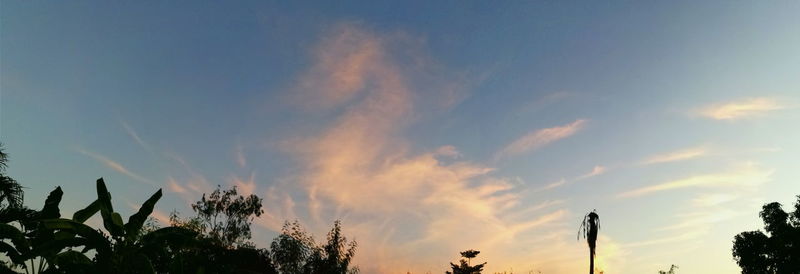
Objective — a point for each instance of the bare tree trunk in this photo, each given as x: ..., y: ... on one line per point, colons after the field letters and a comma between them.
x: 591, y: 261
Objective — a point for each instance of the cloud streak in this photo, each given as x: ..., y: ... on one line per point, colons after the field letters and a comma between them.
x: 597, y: 170
x: 539, y: 138
x: 135, y: 136
x: 745, y: 108
x: 680, y: 155
x: 749, y: 175
x: 117, y: 167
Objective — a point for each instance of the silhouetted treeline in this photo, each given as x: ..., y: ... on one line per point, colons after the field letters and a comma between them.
x: 216, y: 240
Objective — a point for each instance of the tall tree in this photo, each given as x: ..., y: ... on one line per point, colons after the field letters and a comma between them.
x: 223, y: 223
x: 588, y: 229
x: 292, y: 248
x: 777, y: 251
x: 224, y: 216
x: 334, y: 256
x: 464, y: 267
x: 294, y: 251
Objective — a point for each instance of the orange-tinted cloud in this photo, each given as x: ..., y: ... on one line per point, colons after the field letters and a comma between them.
x: 174, y: 186
x: 539, y: 138
x: 745, y: 108
x: 245, y: 187
x: 403, y: 207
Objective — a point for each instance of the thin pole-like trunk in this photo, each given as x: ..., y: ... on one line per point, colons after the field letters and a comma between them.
x: 591, y: 261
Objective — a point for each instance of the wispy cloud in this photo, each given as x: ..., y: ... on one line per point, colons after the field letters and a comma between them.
x: 245, y: 186
x: 744, y: 108
x: 174, y: 186
x: 544, y: 101
x: 539, y: 138
x: 744, y: 176
x: 680, y: 155
x: 241, y: 159
x: 701, y: 219
x: 681, y: 237
x: 186, y: 177
x: 597, y: 170
x: 553, y: 185
x: 714, y: 199
x: 117, y: 167
x: 360, y: 168
x: 135, y: 136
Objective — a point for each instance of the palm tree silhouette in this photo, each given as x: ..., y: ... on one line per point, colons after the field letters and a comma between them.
x: 589, y: 228
x: 10, y: 191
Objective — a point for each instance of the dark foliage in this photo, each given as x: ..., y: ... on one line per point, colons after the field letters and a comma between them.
x: 225, y: 217
x: 294, y: 251
x: 11, y: 194
x: 777, y: 251
x: 335, y: 255
x: 464, y: 267
x: 223, y: 237
x: 217, y: 240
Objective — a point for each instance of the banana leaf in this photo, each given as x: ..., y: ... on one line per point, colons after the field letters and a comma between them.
x: 136, y: 221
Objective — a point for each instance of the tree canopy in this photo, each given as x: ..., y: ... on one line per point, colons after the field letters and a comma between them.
x: 777, y: 250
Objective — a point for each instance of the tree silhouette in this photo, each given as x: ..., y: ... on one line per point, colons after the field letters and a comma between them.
x: 588, y: 229
x: 292, y: 248
x: 294, y: 251
x: 333, y: 257
x: 223, y: 244
x: 463, y: 266
x: 778, y: 251
x: 224, y: 216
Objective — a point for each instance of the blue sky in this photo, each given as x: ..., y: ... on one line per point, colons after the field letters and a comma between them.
x: 428, y: 128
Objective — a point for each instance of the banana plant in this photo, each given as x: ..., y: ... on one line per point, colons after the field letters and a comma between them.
x: 31, y: 245
x: 126, y: 249
x: 52, y: 240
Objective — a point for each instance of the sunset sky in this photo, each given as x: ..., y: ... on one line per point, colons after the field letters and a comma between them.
x: 427, y: 128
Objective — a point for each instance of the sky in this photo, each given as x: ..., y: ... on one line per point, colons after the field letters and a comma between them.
x: 427, y: 127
